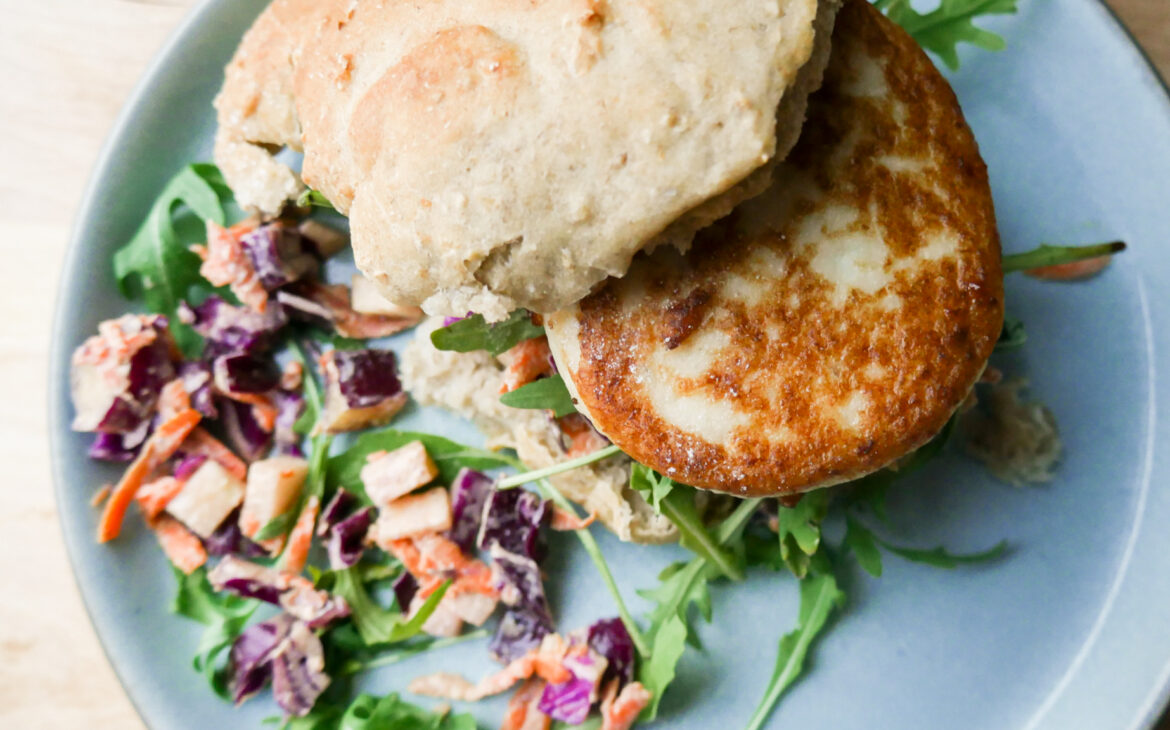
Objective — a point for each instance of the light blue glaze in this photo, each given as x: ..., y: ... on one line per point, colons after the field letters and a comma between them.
x: 1071, y: 632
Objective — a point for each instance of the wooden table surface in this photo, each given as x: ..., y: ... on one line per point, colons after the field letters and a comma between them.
x: 69, y: 65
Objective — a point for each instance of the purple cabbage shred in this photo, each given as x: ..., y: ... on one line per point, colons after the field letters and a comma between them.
x: 469, y: 492
x: 366, y: 377
x: 518, y: 633
x: 513, y: 518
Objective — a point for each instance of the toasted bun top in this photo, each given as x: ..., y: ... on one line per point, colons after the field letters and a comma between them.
x: 829, y: 326
x: 500, y: 154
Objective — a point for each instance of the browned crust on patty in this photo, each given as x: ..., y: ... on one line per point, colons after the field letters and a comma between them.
x: 798, y: 354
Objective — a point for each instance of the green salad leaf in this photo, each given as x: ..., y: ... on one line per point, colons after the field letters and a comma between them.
x: 940, y: 557
x: 474, y: 333
x: 650, y: 484
x: 313, y: 198
x: 819, y: 596
x: 1013, y: 336
x: 375, y: 624
x: 155, y: 265
x: 798, y: 529
x: 225, y: 616
x: 368, y: 712
x: 545, y: 394
x: 862, y: 542
x: 944, y: 28
x: 680, y: 591
x: 1054, y: 255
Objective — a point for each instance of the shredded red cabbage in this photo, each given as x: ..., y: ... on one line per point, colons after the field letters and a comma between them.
x: 518, y: 633
x: 405, y: 588
x: 346, y: 540
x: 610, y: 639
x: 570, y: 701
x: 248, y: 438
x: 242, y: 372
x: 366, y: 377
x: 513, y: 519
x: 196, y: 377
x: 279, y: 254
x: 298, y: 671
x: 230, y: 329
x: 469, y: 492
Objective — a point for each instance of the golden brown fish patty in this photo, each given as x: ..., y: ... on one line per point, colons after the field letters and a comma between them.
x: 827, y: 327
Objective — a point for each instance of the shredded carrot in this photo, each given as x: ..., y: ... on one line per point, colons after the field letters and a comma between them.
x: 522, y: 712
x: 100, y: 496
x: 621, y: 712
x: 564, y: 520
x: 225, y: 263
x: 526, y: 362
x: 153, y: 497
x: 1073, y: 270
x: 432, y: 559
x: 181, y: 547
x: 262, y: 408
x: 161, y: 445
x: 173, y: 399
x: 301, y: 538
x: 583, y: 437
x: 201, y: 442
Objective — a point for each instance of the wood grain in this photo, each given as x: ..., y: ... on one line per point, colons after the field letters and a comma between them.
x: 69, y: 65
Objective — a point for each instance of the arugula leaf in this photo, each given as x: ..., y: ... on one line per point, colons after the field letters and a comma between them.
x: 1013, y: 336
x: 819, y: 595
x: 681, y: 588
x: 225, y: 617
x: 798, y: 529
x: 545, y: 394
x: 473, y: 333
x: 549, y: 491
x: 1053, y: 255
x: 650, y: 484
x: 939, y: 557
x: 679, y: 507
x: 375, y: 624
x: 536, y: 475
x: 368, y: 712
x: 677, y: 502
x: 658, y: 671
x: 861, y: 541
x: 449, y: 456
x: 155, y: 265
x: 312, y: 392
x: 948, y: 25
x: 313, y: 198
x: 401, y: 653
x: 278, y: 526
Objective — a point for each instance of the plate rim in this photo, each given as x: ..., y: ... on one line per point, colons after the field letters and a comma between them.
x: 57, y: 396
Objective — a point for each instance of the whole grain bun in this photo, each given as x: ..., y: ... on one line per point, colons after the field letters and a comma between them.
x: 469, y: 385
x: 827, y: 327
x: 500, y: 155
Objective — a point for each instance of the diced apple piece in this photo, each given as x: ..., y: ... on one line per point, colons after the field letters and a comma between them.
x: 472, y: 607
x: 364, y: 297
x: 208, y: 497
x: 414, y: 514
x: 389, y: 475
x: 273, y: 486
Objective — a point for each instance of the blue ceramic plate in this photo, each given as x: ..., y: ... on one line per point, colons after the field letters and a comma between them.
x: 1070, y: 632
